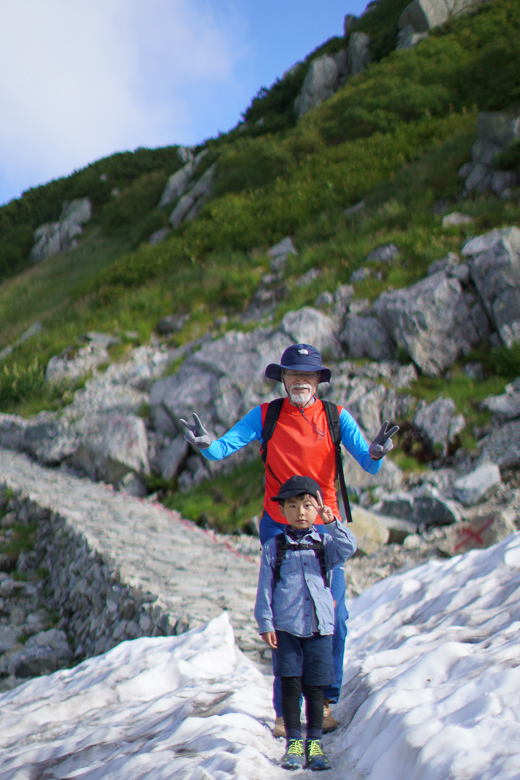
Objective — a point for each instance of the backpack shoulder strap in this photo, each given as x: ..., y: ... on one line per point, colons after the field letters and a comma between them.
x: 331, y: 410
x: 281, y: 549
x: 316, y: 545
x: 269, y: 424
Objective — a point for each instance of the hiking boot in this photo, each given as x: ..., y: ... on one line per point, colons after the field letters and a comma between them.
x: 294, y: 755
x: 329, y: 722
x: 279, y: 727
x: 316, y: 758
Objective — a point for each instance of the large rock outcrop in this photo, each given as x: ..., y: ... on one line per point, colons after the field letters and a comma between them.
x: 423, y: 15
x: 324, y: 76
x: 496, y: 131
x: 433, y: 321
x: 180, y: 181
x: 54, y: 237
x: 191, y: 203
x: 495, y: 270
x: 358, y: 52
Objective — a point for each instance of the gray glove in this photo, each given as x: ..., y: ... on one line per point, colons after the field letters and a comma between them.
x: 382, y: 444
x: 196, y: 434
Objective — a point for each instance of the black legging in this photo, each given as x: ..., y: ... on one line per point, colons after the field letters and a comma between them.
x: 292, y: 688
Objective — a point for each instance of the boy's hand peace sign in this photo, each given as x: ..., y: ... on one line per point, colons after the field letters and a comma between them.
x: 325, y: 512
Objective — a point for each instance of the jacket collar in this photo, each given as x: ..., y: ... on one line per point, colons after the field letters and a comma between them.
x: 294, y: 537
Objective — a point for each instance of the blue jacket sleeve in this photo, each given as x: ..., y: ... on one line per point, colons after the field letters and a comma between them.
x: 246, y: 430
x: 340, y: 544
x: 264, y: 595
x: 355, y: 443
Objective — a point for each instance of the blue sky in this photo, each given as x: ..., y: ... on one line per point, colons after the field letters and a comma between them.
x: 83, y: 80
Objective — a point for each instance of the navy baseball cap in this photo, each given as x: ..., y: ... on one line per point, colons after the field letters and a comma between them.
x: 297, y: 485
x: 299, y: 357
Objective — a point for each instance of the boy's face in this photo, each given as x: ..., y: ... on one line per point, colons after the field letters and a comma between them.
x: 299, y: 511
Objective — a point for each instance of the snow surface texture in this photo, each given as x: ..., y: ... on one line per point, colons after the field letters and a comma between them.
x: 431, y: 692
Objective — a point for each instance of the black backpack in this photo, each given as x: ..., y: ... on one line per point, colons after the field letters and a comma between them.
x: 317, y: 545
x: 331, y: 410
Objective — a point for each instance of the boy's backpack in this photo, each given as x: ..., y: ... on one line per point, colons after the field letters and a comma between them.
x: 317, y: 545
x: 331, y: 410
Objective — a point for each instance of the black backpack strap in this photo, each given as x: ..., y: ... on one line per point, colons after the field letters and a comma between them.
x: 317, y: 545
x: 331, y: 410
x: 271, y: 418
x: 281, y: 549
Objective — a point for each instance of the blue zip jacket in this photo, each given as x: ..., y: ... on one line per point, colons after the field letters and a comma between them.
x: 290, y: 604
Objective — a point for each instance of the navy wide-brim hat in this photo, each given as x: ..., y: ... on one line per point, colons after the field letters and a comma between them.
x: 295, y: 486
x: 299, y: 357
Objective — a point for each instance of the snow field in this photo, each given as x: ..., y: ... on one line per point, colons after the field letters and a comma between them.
x: 431, y: 692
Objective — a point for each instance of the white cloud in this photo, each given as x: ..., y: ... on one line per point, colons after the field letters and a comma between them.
x: 81, y: 80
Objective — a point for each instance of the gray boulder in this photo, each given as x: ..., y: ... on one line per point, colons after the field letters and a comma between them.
x: 477, y: 534
x: 444, y: 264
x: 383, y: 254
x: 320, y: 84
x: 49, y: 440
x: 424, y: 15
x: 473, y: 487
x: 438, y: 423
x: 496, y: 130
x: 366, y: 337
x: 507, y: 405
x: 308, y: 278
x: 358, y: 52
x: 325, y: 298
x: 221, y: 381
x: 424, y: 509
x: 43, y: 653
x: 13, y: 430
x: 398, y: 530
x: 455, y: 219
x: 110, y: 446
x: 54, y: 237
x: 176, y: 185
x: 494, y: 262
x: 180, y: 181
x: 8, y: 638
x: 172, y: 456
x: 408, y: 37
x: 158, y: 235
x: 388, y: 478
x: 195, y: 198
x: 502, y: 446
x: 280, y: 252
x: 311, y: 326
x: 430, y: 320
x: 341, y: 60
x: 371, y: 533
x: 73, y: 364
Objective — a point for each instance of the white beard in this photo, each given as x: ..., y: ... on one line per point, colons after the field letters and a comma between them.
x: 301, y: 397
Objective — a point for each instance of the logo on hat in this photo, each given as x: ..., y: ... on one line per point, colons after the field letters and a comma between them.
x: 303, y: 351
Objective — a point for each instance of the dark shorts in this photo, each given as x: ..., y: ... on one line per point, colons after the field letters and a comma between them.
x: 307, y: 657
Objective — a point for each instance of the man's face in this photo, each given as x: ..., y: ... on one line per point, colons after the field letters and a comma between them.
x: 301, y: 385
x: 299, y: 511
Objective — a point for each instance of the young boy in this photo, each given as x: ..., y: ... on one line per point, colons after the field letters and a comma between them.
x: 295, y: 612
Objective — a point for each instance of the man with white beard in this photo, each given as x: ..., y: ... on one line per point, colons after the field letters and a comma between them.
x: 300, y: 443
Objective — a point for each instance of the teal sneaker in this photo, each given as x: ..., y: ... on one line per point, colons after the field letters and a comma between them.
x: 294, y: 755
x: 316, y: 758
